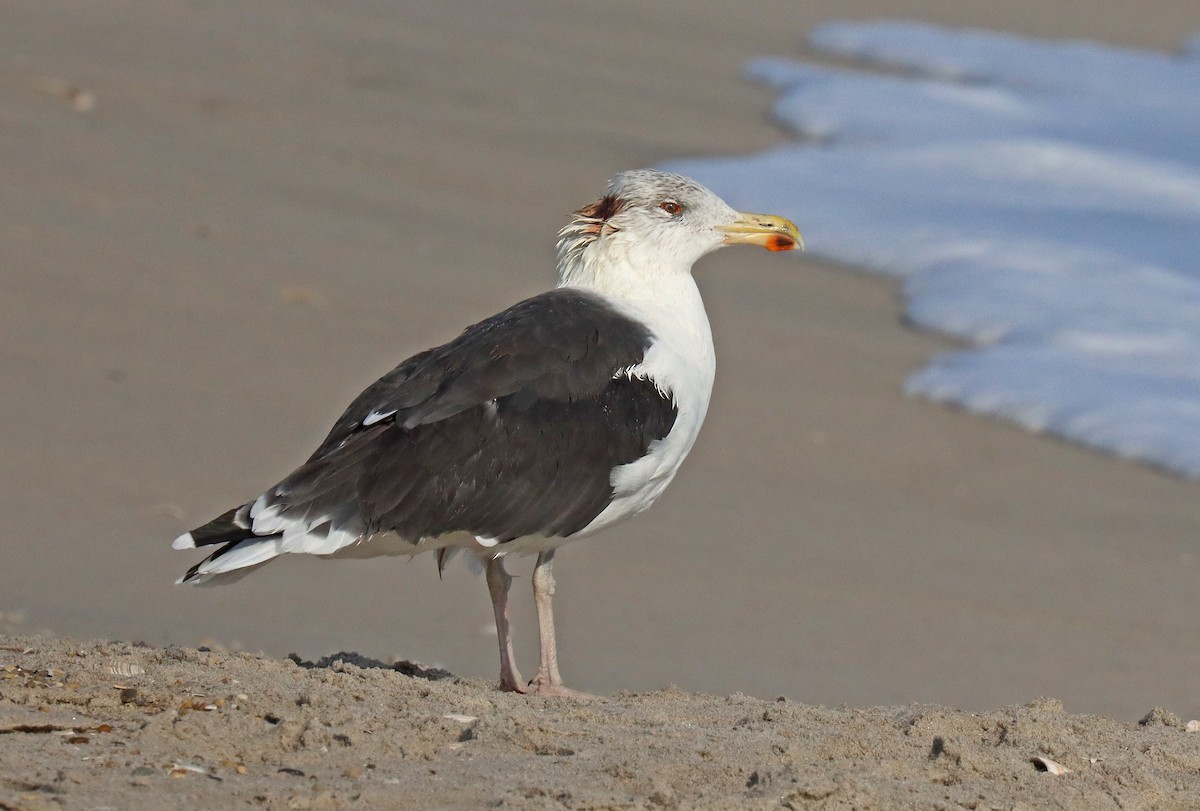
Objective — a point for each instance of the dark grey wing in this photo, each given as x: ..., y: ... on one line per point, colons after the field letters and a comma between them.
x: 376, y: 396
x: 538, y: 467
x: 511, y: 429
x: 559, y: 345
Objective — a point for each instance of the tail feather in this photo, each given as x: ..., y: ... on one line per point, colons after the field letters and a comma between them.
x: 242, y: 555
x: 256, y: 532
x: 240, y: 547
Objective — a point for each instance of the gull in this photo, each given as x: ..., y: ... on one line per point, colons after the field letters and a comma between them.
x: 552, y: 420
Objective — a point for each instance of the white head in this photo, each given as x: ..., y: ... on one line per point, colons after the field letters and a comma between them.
x: 655, y: 223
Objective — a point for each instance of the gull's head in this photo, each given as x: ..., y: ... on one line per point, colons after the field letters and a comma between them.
x: 653, y: 222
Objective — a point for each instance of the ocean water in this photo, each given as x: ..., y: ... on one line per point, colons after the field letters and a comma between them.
x: 1039, y: 199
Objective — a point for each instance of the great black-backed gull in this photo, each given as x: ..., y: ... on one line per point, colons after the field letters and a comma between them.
x: 560, y: 416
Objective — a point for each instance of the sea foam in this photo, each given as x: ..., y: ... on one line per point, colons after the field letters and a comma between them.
x: 1039, y: 199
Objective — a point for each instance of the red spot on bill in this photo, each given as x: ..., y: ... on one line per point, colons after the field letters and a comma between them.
x: 779, y: 242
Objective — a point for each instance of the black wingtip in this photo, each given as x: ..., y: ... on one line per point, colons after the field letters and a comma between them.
x: 233, y: 525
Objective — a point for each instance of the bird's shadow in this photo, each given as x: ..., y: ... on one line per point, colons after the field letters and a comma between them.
x: 406, y: 667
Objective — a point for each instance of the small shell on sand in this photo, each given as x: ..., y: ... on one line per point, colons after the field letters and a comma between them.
x: 1193, y: 726
x: 183, y: 769
x: 125, y: 669
x: 1045, y: 764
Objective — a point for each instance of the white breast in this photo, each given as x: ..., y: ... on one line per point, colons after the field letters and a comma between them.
x: 681, y: 362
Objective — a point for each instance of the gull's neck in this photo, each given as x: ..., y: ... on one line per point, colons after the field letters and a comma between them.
x: 663, y: 294
x: 622, y: 270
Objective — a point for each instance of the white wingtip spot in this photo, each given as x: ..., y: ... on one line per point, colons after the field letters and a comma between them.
x: 486, y: 542
x: 184, y: 541
x: 377, y: 416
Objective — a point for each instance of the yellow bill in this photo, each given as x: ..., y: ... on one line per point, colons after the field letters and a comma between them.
x: 766, y: 230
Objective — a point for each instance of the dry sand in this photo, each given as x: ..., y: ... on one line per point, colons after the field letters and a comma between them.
x: 110, y: 725
x: 221, y: 220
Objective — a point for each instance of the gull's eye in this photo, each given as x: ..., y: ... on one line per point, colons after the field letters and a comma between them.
x: 671, y: 207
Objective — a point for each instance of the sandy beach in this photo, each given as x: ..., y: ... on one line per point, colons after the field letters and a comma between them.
x: 223, y: 220
x: 110, y: 725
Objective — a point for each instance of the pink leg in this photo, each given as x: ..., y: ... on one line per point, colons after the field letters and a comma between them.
x: 498, y: 581
x: 548, y: 681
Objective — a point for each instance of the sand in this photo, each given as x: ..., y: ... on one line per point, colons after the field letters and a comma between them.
x: 222, y: 220
x: 111, y: 725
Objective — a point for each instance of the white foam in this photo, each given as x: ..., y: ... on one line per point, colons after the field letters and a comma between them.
x: 1040, y: 199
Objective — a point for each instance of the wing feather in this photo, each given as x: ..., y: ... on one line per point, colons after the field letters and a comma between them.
x: 510, y: 429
